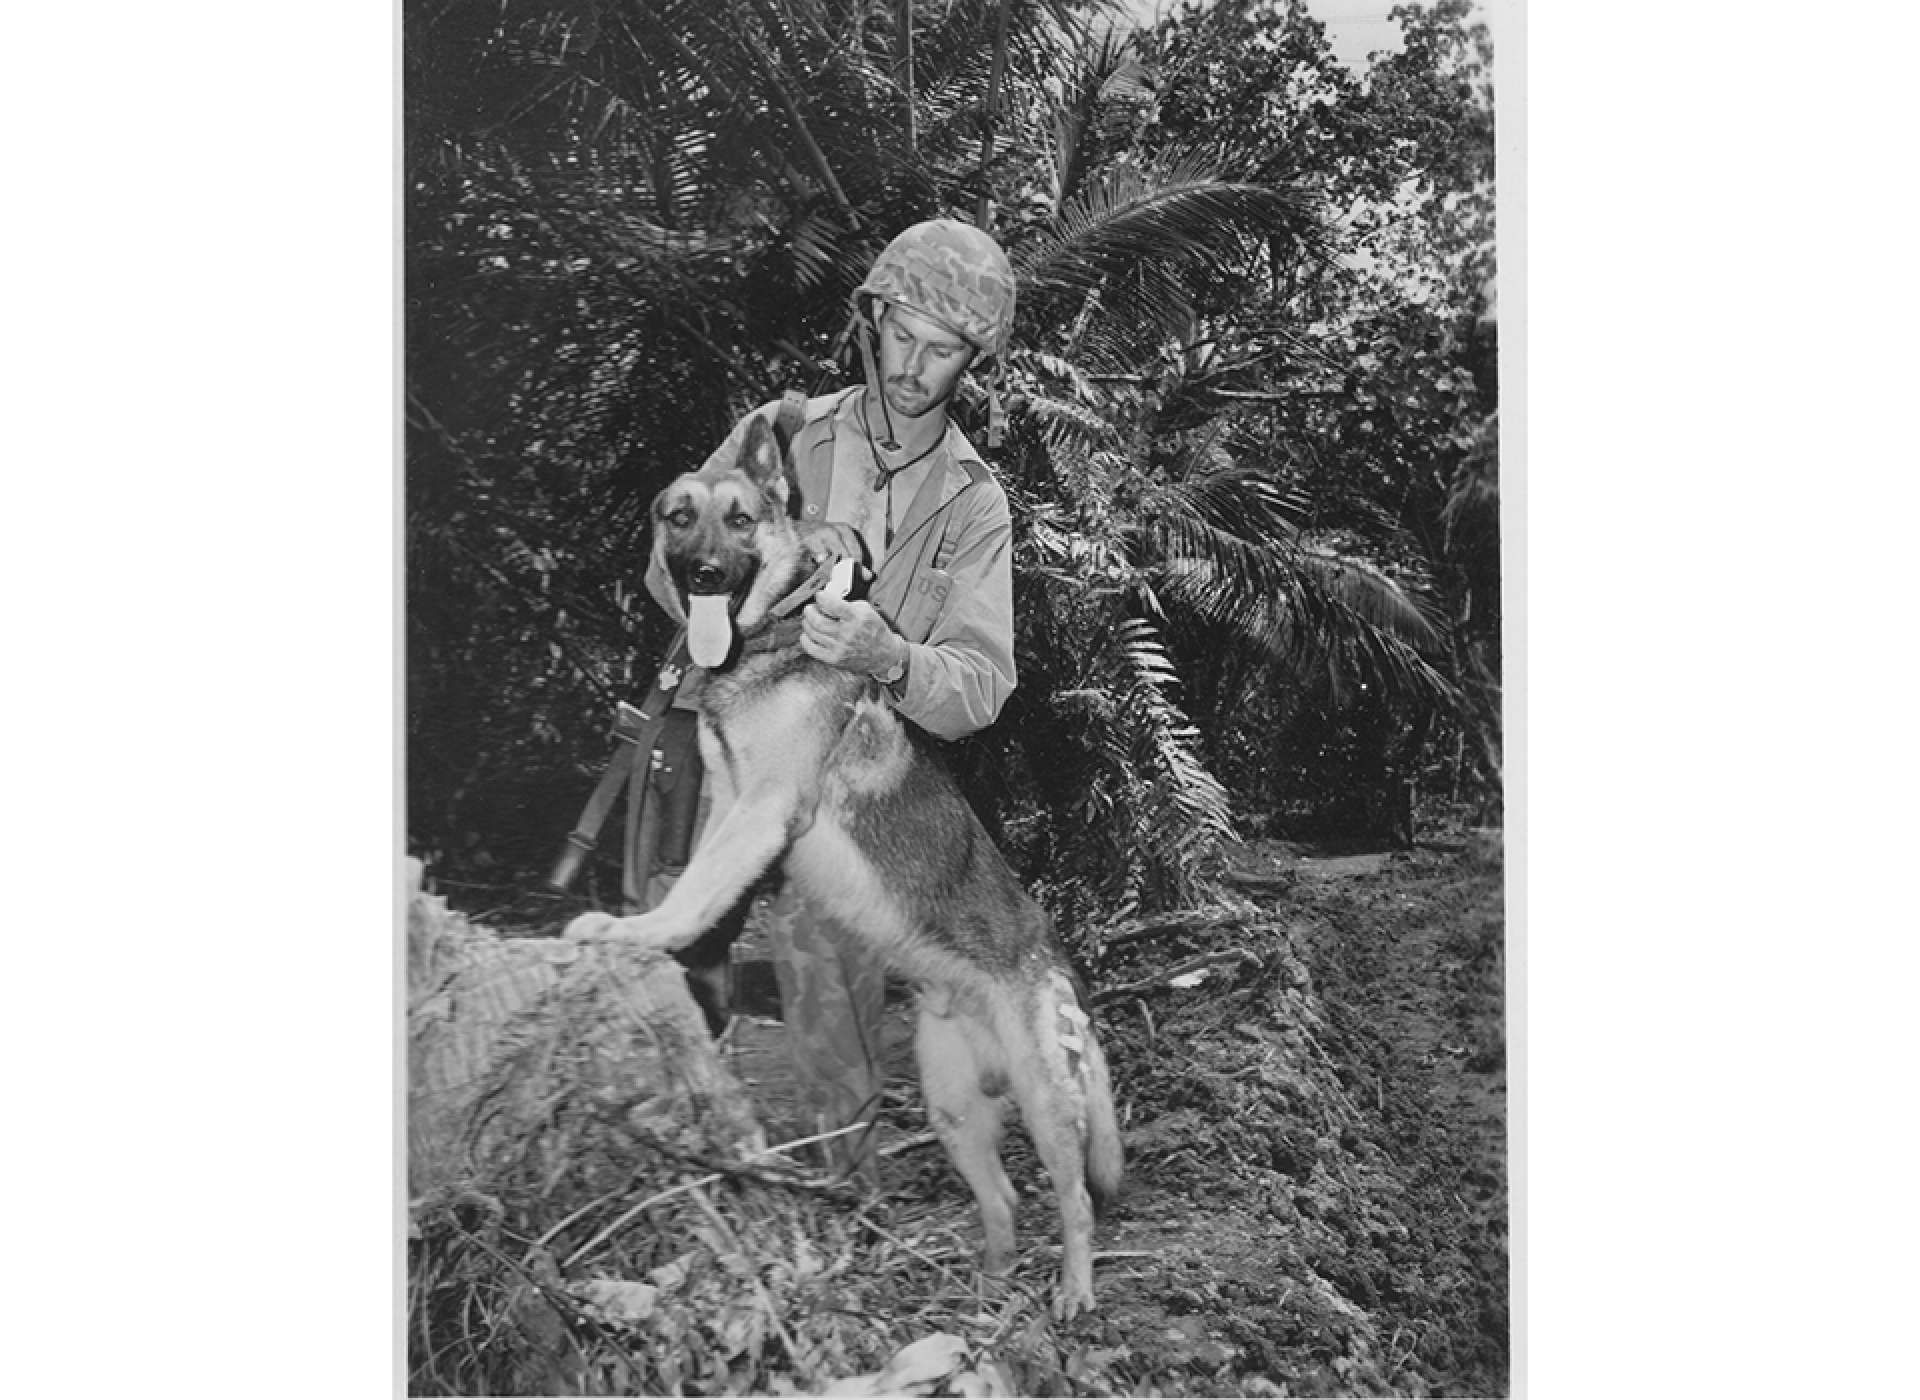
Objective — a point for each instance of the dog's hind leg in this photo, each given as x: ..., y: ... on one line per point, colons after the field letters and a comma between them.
x: 969, y: 1122
x: 1050, y: 1082
x: 1059, y: 1136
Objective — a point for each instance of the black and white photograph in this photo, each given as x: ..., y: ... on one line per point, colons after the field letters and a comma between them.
x: 954, y: 699
x: 960, y: 698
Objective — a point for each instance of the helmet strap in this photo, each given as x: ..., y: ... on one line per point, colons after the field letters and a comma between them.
x: 863, y: 331
x: 996, y: 411
x: 865, y: 336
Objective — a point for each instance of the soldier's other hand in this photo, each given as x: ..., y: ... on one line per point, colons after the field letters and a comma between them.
x: 828, y: 540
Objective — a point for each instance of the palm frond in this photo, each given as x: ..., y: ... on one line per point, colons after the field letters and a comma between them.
x: 1140, y: 814
x: 1102, y: 84
x: 1224, y: 546
x: 1141, y: 240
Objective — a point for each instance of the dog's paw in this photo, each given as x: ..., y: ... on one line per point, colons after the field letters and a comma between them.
x: 638, y: 931
x: 1070, y: 1302
x: 593, y: 928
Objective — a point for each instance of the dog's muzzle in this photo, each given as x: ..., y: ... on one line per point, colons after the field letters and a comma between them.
x: 706, y: 578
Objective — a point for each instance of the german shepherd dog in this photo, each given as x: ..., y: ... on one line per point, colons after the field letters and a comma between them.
x: 816, y: 776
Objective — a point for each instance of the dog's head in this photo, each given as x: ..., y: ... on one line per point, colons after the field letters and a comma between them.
x: 726, y: 539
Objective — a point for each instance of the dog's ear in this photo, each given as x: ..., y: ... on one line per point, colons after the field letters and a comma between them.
x: 764, y: 461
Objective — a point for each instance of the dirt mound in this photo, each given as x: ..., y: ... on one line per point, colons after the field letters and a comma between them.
x: 1312, y: 1212
x: 521, y: 1050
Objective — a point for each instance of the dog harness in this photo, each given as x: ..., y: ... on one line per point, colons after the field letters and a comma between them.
x: 838, y: 576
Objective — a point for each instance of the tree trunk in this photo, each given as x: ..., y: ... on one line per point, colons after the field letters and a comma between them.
x: 994, y: 79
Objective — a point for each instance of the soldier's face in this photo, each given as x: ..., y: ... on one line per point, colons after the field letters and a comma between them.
x: 921, y: 361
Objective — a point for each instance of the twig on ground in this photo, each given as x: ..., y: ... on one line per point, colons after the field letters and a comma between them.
x: 894, y: 1239
x: 807, y: 1141
x: 760, y: 1289
x: 556, y: 1298
x: 1199, y: 923
x: 798, y: 1178
x: 627, y: 1217
x: 1138, y: 931
x: 908, y: 1144
x: 1161, y: 979
x: 715, y: 1170
x: 573, y: 1217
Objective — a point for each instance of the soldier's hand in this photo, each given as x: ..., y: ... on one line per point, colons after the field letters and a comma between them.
x: 826, y: 540
x: 851, y: 636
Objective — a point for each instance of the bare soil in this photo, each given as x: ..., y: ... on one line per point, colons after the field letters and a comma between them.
x: 1317, y: 1143
x: 1334, y: 1232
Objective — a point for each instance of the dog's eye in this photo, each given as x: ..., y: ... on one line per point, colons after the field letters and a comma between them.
x: 679, y: 517
x: 740, y: 520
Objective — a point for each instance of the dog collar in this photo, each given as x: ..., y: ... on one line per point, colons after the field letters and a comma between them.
x: 804, y: 594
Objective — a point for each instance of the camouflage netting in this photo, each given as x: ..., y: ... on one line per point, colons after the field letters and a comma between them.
x: 556, y: 1058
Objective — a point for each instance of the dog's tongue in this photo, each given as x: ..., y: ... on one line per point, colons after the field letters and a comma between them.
x: 709, y: 629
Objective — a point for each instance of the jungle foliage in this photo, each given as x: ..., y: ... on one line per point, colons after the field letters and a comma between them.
x: 1251, y: 400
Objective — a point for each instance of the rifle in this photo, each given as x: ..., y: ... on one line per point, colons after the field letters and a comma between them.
x: 635, y: 728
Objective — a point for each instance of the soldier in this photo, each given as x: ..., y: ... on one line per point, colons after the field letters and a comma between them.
x: 935, y: 632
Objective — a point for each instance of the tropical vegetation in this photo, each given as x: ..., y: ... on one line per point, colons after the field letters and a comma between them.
x: 1251, y: 404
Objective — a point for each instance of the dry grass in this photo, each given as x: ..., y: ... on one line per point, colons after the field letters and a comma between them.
x: 750, y: 1279
x: 594, y: 1211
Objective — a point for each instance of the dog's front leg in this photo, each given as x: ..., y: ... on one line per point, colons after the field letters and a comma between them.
x: 743, y: 846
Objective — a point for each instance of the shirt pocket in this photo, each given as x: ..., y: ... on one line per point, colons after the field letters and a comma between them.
x: 926, y: 600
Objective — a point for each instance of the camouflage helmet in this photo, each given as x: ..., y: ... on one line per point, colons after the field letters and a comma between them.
x: 951, y: 272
